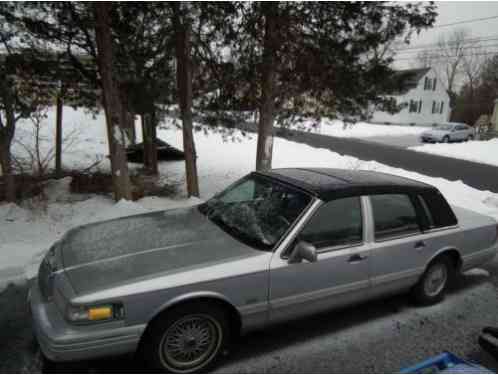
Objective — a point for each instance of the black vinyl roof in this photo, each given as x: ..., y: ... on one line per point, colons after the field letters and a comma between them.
x: 328, y: 183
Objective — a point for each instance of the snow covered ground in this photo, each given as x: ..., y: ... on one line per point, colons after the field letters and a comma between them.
x: 338, y: 128
x: 478, y: 151
x: 27, y: 231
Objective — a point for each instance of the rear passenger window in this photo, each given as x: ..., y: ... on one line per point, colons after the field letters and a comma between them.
x: 394, y: 215
x: 440, y: 213
x: 336, y: 223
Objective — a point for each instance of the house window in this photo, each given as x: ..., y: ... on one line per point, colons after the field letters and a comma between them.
x: 437, y: 107
x: 419, y: 106
x: 413, y: 106
x: 434, y: 84
x: 426, y: 83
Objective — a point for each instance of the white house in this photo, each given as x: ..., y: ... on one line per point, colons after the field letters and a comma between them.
x: 426, y: 100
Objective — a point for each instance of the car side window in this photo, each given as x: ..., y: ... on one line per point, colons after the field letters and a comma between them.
x: 439, y: 210
x: 336, y: 223
x: 394, y: 215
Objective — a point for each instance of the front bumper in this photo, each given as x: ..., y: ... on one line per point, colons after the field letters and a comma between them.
x: 429, y: 138
x: 60, y: 341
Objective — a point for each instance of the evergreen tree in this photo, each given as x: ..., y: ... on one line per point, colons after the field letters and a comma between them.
x: 23, y: 87
x: 315, y: 58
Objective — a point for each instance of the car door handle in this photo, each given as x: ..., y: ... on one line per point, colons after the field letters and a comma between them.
x: 419, y: 245
x: 355, y: 258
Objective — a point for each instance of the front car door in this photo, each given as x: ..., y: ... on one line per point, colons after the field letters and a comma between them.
x: 340, y: 274
x: 397, y: 249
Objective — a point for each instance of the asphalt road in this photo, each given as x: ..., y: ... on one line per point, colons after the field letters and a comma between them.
x: 480, y: 176
x: 380, y: 336
x: 403, y: 141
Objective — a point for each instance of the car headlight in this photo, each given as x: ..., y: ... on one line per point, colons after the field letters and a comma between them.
x: 99, y: 313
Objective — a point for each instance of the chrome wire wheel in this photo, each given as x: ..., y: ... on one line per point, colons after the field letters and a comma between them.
x: 435, y: 280
x: 190, y: 342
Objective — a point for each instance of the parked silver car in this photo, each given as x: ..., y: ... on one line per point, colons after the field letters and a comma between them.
x: 448, y: 132
x: 178, y: 285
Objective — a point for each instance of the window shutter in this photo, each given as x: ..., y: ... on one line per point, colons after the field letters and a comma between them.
x: 442, y: 106
x: 419, y: 106
x: 434, y: 84
x: 433, y: 106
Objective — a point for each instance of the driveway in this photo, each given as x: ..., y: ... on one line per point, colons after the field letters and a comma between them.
x: 380, y: 336
x: 479, y: 176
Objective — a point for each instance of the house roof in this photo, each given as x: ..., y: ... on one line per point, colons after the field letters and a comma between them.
x: 328, y: 183
x: 408, y: 79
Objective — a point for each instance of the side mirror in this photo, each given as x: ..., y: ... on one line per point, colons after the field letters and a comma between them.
x: 303, y: 250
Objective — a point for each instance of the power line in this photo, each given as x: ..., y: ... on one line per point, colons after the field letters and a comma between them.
x: 466, y: 21
x: 464, y: 41
x: 439, y: 49
x: 442, y: 57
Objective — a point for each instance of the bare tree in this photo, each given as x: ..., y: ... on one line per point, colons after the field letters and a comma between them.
x: 116, y: 132
x: 38, y: 151
x: 447, y: 59
x: 452, y: 48
x: 472, y: 64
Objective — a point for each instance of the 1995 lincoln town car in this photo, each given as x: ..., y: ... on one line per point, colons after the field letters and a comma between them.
x: 175, y: 286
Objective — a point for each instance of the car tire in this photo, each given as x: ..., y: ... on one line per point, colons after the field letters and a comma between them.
x: 432, y: 286
x: 446, y: 139
x: 190, y: 338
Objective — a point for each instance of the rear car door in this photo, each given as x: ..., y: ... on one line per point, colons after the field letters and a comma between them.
x: 461, y: 132
x: 340, y: 274
x: 397, y: 256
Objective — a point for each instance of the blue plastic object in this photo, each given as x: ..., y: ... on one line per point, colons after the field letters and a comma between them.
x: 445, y: 363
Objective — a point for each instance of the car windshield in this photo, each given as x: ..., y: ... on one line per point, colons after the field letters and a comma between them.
x: 256, y: 210
x: 444, y: 127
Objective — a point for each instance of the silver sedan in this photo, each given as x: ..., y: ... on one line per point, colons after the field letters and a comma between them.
x: 177, y: 286
x: 449, y: 132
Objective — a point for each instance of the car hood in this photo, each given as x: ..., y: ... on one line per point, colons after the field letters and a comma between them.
x: 121, y: 251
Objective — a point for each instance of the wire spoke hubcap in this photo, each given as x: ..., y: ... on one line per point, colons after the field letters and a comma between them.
x: 190, y: 342
x: 435, y: 280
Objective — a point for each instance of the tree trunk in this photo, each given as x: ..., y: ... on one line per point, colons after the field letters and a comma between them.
x: 149, y: 142
x: 7, y: 132
x: 8, y: 176
x: 58, y: 136
x: 113, y: 107
x: 267, y: 106
x: 184, y: 83
x: 129, y: 119
x: 132, y: 133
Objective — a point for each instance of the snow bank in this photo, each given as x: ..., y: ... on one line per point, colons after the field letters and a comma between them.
x: 338, y: 128
x: 478, y: 151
